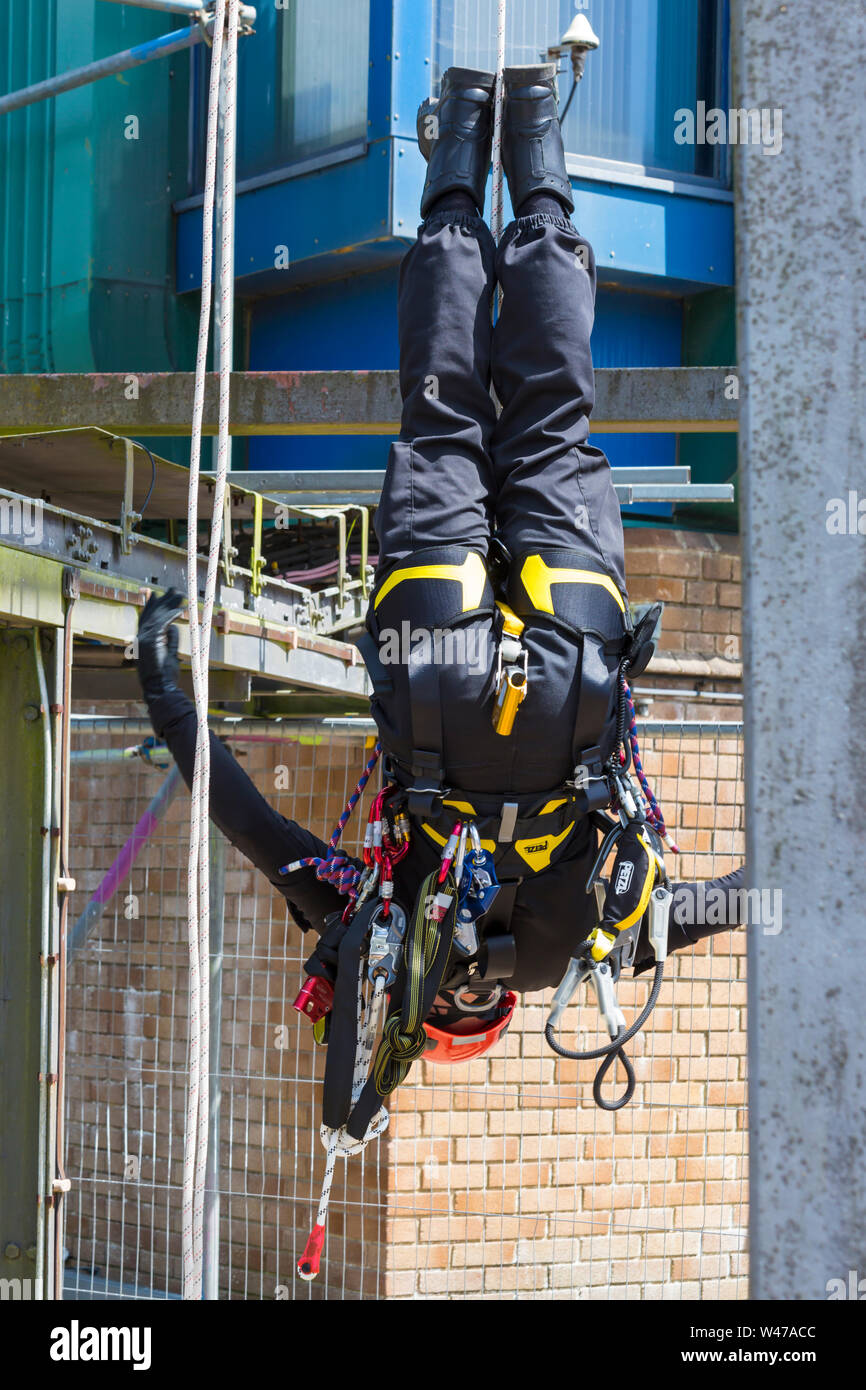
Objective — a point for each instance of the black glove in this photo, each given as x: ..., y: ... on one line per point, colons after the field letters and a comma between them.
x: 158, y: 666
x: 720, y: 899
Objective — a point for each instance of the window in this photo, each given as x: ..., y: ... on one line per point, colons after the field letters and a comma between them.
x: 656, y: 57
x: 324, y: 66
x: 302, y: 84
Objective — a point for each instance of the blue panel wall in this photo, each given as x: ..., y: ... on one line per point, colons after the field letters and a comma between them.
x: 638, y: 330
x: 640, y: 232
x: 346, y: 226
x: 350, y: 323
x: 302, y: 84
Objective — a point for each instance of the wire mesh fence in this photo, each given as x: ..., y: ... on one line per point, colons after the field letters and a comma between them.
x: 498, y: 1179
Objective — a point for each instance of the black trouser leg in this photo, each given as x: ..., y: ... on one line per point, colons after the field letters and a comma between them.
x: 553, y: 489
x: 439, y: 481
x: 455, y: 465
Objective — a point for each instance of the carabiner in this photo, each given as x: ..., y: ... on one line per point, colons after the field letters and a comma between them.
x: 659, y: 921
x: 602, y: 981
x: 575, y: 974
x: 460, y: 855
x: 495, y: 992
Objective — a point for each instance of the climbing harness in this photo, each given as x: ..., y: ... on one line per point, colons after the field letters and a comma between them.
x: 371, y: 952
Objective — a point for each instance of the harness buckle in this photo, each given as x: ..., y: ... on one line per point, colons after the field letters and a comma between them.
x: 425, y: 793
x: 589, y: 778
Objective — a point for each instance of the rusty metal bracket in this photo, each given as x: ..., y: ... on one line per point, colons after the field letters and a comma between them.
x: 129, y: 518
x: 229, y: 551
x: 71, y: 590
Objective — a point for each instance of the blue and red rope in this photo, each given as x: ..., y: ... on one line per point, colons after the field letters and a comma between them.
x: 337, y: 868
x: 654, y: 816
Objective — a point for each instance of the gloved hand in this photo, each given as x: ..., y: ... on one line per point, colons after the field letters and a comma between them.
x: 699, y: 910
x: 158, y: 666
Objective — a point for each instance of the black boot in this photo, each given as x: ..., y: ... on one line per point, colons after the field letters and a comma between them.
x: 532, y: 150
x: 455, y: 134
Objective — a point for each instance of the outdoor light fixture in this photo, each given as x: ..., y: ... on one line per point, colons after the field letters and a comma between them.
x: 578, y: 40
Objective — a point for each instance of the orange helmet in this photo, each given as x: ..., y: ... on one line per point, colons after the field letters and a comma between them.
x: 447, y: 1047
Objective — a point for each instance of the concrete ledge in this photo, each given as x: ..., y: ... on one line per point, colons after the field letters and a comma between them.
x: 696, y: 667
x: 679, y: 400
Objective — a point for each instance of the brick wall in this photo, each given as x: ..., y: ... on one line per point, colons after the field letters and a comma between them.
x: 697, y: 576
x: 498, y: 1178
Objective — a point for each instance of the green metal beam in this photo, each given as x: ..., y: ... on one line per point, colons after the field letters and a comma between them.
x: 242, y: 643
x: 21, y: 905
x: 679, y: 400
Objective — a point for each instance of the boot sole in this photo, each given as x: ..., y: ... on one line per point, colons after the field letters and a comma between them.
x: 527, y: 74
x: 469, y: 77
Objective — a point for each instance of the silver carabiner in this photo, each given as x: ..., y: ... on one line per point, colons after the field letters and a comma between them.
x: 575, y: 974
x: 602, y: 981
x: 659, y: 921
x: 495, y: 993
x: 460, y: 855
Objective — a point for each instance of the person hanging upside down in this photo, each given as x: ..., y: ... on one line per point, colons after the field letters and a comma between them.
x: 505, y: 725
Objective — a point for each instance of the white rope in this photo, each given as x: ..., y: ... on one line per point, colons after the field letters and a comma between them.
x: 198, y: 899
x: 338, y: 1142
x: 496, y: 205
x: 226, y: 289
